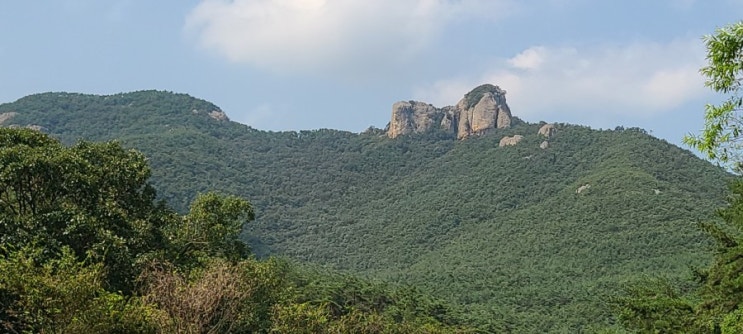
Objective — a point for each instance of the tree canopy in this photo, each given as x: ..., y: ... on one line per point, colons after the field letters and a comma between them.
x: 86, y: 247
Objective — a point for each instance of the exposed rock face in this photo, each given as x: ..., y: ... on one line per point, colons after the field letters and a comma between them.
x: 510, y: 141
x: 411, y: 117
x: 480, y: 110
x: 6, y: 116
x: 547, y: 130
x: 583, y: 188
x: 544, y: 145
x: 490, y: 112
x: 218, y: 115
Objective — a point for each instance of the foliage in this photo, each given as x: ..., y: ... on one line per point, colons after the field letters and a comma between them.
x: 87, y: 248
x: 212, y: 228
x: 92, y: 198
x: 501, y: 231
x: 213, y: 300
x: 656, y: 306
x: 723, y: 128
x: 714, y: 304
x: 63, y: 295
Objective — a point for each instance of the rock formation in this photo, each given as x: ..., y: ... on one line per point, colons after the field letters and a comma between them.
x: 218, y: 115
x: 547, y: 130
x: 544, y: 145
x: 510, y: 141
x: 6, y: 116
x: 480, y: 110
x: 411, y: 117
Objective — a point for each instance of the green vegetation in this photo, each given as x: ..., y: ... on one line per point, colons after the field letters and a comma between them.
x: 712, y: 303
x: 720, y: 138
x: 86, y: 248
x: 500, y: 232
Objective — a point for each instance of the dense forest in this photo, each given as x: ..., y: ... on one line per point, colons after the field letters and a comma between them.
x: 501, y: 234
x: 87, y: 248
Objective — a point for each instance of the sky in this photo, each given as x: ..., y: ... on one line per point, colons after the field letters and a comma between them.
x: 341, y: 64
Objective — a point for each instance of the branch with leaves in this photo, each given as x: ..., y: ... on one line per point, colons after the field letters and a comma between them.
x: 721, y: 138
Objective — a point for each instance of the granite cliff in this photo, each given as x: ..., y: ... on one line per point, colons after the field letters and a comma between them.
x: 480, y: 110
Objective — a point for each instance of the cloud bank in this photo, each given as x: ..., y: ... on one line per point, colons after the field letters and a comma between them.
x: 641, y: 79
x: 306, y: 35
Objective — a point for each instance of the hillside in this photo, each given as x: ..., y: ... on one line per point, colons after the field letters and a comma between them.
x: 503, y: 231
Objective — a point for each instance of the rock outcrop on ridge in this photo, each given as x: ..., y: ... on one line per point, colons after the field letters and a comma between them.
x: 510, y: 141
x: 480, y: 110
x: 547, y: 130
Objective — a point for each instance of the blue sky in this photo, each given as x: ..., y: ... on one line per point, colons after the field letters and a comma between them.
x: 341, y: 64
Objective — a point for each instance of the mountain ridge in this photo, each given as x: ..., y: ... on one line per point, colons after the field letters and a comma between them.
x: 500, y: 230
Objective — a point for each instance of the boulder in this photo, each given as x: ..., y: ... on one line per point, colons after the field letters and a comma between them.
x: 583, y: 188
x: 510, y: 141
x: 548, y: 130
x: 218, y: 115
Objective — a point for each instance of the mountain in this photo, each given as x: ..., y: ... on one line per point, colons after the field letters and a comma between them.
x: 530, y: 227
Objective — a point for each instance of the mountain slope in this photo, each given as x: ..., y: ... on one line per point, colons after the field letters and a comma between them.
x: 501, y: 230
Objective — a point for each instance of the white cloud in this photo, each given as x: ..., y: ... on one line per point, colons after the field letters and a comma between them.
x: 529, y: 59
x: 641, y: 79
x: 291, y: 35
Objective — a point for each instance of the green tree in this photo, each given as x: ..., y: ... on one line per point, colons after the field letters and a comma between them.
x: 211, y: 229
x: 94, y: 198
x: 64, y: 295
x: 723, y: 127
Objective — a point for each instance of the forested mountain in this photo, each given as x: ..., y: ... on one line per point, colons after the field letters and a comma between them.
x: 525, y: 238
x: 85, y: 247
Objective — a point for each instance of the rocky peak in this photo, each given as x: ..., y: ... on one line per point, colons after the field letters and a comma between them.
x: 476, y: 95
x: 480, y: 110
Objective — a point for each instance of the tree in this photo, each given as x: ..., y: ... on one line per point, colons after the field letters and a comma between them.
x: 723, y: 127
x: 94, y: 198
x: 211, y: 228
x: 64, y: 295
x: 80, y: 226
